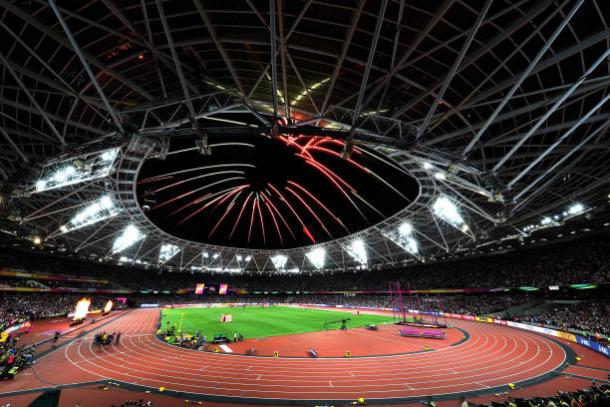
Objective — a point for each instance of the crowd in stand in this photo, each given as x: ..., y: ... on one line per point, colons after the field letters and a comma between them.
x: 592, y: 317
x: 595, y: 396
x: 586, y: 260
x: 12, y: 359
x: 16, y: 282
x: 589, y: 316
x: 469, y: 305
x: 34, y: 306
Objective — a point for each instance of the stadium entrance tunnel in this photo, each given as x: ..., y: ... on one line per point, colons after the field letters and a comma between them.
x: 270, y: 193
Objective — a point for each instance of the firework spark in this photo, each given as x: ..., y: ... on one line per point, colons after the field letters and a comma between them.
x: 296, y: 215
x: 260, y: 215
x: 316, y: 200
x: 313, y: 213
x: 189, y: 193
x: 225, y: 214
x: 221, y: 194
x: 268, y: 196
x: 241, y: 212
x: 277, y: 227
x: 192, y: 193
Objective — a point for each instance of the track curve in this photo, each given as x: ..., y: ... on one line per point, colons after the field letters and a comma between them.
x: 493, y: 356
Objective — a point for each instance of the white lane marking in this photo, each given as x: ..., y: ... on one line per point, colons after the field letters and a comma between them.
x: 514, y: 350
x: 226, y: 348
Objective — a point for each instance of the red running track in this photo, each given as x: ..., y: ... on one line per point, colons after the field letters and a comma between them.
x: 493, y: 356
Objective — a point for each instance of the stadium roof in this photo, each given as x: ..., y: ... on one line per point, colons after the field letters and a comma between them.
x: 498, y: 109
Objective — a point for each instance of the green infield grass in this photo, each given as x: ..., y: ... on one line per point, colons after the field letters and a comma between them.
x: 259, y: 322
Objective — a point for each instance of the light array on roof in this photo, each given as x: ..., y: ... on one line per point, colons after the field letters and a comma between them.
x: 98, y: 210
x: 304, y: 92
x: 279, y: 261
x: 576, y: 209
x: 167, y: 251
x: 357, y: 250
x: 403, y: 236
x: 241, y: 258
x: 128, y: 237
x: 572, y: 211
x: 76, y: 171
x: 232, y: 270
x: 317, y: 257
x: 445, y: 209
x: 130, y: 260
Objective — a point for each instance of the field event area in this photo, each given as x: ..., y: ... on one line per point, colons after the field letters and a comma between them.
x: 260, y: 321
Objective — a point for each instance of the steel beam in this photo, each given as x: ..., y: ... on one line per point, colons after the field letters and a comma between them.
x: 603, y: 58
x: 14, y: 146
x: 272, y: 41
x: 29, y: 95
x: 558, y: 141
x: 346, y: 43
x: 365, y: 78
x: 283, y: 60
x: 454, y: 68
x: 178, y: 66
x: 83, y: 59
x: 219, y: 47
x: 523, y: 76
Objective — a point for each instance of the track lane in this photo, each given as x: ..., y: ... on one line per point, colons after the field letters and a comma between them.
x: 493, y: 356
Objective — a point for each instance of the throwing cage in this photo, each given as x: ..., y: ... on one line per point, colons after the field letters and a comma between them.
x: 397, y: 303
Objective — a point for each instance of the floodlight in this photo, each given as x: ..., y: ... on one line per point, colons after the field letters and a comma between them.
x: 239, y: 257
x: 98, y: 210
x: 167, y: 251
x: 279, y: 261
x: 109, y: 155
x: 405, y: 229
x: 248, y: 258
x: 75, y: 171
x: 357, y: 250
x: 215, y: 255
x: 224, y: 270
x: 128, y: 237
x: 439, y: 175
x: 445, y: 209
x: 404, y: 238
x: 205, y: 255
x: 576, y: 209
x: 317, y: 257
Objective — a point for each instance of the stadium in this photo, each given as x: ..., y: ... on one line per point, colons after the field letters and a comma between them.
x: 316, y: 203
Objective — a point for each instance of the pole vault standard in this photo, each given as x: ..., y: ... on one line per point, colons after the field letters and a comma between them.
x: 397, y: 303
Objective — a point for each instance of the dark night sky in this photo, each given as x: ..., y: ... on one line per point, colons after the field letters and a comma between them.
x: 180, y: 211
